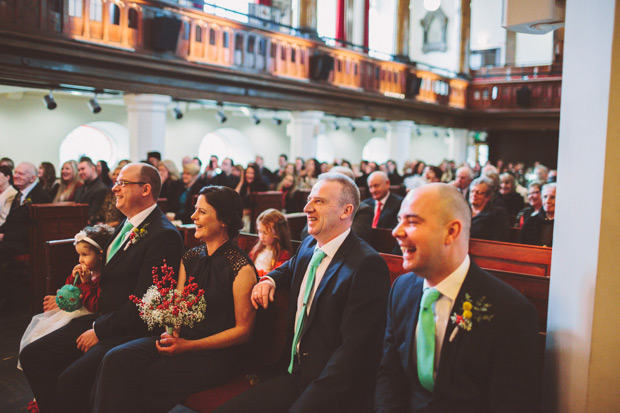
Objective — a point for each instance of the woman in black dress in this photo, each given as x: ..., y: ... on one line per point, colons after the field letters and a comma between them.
x: 153, y: 374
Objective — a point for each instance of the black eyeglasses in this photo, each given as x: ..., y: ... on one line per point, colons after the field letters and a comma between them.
x: 123, y: 184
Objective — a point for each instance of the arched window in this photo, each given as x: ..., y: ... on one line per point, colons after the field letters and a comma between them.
x: 133, y: 18
x: 226, y: 143
x: 106, y: 141
x: 375, y: 150
x: 115, y: 14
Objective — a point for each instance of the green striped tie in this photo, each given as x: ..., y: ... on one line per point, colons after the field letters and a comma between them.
x: 315, y: 261
x: 119, y: 240
x: 425, y: 339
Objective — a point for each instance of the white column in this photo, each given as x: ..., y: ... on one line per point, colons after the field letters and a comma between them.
x: 398, y: 140
x: 457, y: 145
x: 355, y: 22
x: 582, y: 360
x: 147, y: 124
x: 303, y: 130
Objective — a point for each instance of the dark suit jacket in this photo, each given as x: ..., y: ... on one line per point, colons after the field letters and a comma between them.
x: 389, y: 212
x: 130, y: 271
x: 340, y: 343
x: 492, y: 223
x: 16, y: 227
x: 93, y: 194
x: 494, y: 367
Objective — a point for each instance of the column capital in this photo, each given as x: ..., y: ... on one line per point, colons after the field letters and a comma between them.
x: 308, y: 115
x: 148, y: 102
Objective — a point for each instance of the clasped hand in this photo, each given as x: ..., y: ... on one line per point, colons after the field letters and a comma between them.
x: 169, y: 345
x: 262, y: 294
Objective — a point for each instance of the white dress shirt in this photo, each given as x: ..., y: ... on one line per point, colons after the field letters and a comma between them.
x: 449, y: 288
x: 136, y: 220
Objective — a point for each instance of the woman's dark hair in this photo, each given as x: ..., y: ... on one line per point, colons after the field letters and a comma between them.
x: 227, y: 205
x: 105, y: 174
x: 6, y: 171
x: 257, y: 183
x: 317, y: 167
x: 49, y: 176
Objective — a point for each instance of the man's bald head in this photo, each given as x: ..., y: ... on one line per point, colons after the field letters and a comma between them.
x: 378, y: 185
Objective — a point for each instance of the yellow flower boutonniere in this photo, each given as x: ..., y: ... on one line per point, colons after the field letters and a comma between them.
x: 136, y: 235
x: 472, y: 311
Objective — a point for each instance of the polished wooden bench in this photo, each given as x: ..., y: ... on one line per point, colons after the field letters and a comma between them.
x: 262, y: 201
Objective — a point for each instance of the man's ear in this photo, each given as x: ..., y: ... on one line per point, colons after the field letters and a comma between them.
x: 454, y: 230
x: 348, y: 211
x: 147, y: 190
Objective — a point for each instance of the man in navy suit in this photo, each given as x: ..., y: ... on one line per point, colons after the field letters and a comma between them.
x: 385, y: 204
x: 332, y: 365
x: 483, y: 351
x: 61, y: 366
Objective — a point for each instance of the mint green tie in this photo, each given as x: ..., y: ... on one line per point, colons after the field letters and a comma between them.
x: 119, y: 240
x: 315, y: 261
x: 425, y: 339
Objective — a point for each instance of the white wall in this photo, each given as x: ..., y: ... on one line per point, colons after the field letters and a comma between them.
x: 449, y: 59
x: 486, y: 31
x: 534, y: 49
x: 428, y: 148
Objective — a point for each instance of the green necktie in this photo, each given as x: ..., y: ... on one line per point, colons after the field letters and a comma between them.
x: 119, y: 240
x: 425, y: 339
x: 315, y: 261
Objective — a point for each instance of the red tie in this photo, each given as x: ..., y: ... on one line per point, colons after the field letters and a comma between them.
x: 375, y: 221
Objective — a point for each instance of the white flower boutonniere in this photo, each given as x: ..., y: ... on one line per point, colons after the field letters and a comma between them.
x: 136, y: 235
x: 473, y: 311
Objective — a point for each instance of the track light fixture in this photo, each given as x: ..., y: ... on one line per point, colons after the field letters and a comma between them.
x: 49, y: 101
x: 277, y: 120
x: 255, y: 119
x: 335, y: 125
x: 94, y: 105
x: 351, y: 127
x: 220, y: 115
x: 178, y: 114
x: 435, y: 133
x: 372, y: 128
x: 418, y: 132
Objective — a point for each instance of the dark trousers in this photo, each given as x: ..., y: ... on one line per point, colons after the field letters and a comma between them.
x: 60, y: 375
x: 134, y: 377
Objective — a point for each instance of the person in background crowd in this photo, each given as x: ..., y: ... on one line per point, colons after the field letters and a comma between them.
x: 122, y: 163
x: 553, y: 176
x: 282, y: 162
x: 93, y: 191
x: 535, y: 204
x: 392, y: 171
x: 237, y: 172
x: 171, y: 185
x: 464, y: 176
x: 432, y: 174
x: 507, y: 191
x: 266, y: 174
x: 68, y: 183
x: 103, y: 172
x: 211, y: 170
x: 7, y: 162
x: 310, y: 174
x: 538, y: 229
x: 226, y: 177
x: 251, y: 181
x: 385, y: 205
x: 273, y: 247
x: 288, y: 187
x: 7, y: 192
x: 540, y: 173
x: 191, y: 187
x: 447, y: 174
x: 299, y: 165
x: 153, y: 158
x: 47, y: 178
x: 488, y: 221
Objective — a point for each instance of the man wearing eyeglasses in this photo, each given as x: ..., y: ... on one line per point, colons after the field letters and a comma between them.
x: 61, y: 366
x: 93, y: 191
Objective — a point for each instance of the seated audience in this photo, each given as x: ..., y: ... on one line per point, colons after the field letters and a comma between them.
x: 457, y: 339
x: 432, y: 174
x: 464, y: 176
x: 507, y: 191
x: 251, y: 181
x: 288, y: 187
x: 153, y: 374
x: 538, y: 229
x: 47, y: 178
x: 392, y: 171
x: 7, y: 162
x: 274, y: 242
x: 265, y: 172
x: 153, y: 158
x: 7, y: 192
x: 191, y: 187
x: 171, y: 185
x: 103, y: 172
x: 447, y: 173
x: 226, y: 177
x: 540, y: 174
x: 93, y: 191
x: 488, y: 221
x: 309, y: 175
x: 329, y: 363
x: 69, y: 182
x: 385, y: 204
x: 535, y: 203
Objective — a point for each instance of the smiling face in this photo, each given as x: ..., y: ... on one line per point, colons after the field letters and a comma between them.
x: 163, y: 172
x: 87, y: 172
x: 505, y: 186
x: 421, y: 233
x: 208, y: 227
x: 129, y: 198
x: 479, y: 195
x: 378, y: 186
x: 548, y: 200
x: 24, y: 175
x: 249, y: 175
x: 66, y: 172
x: 533, y: 197
x: 88, y: 256
x: 327, y: 217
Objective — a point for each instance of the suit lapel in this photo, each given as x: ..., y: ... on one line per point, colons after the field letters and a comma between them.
x: 303, y: 260
x: 449, y: 348
x: 414, y: 296
x: 121, y: 250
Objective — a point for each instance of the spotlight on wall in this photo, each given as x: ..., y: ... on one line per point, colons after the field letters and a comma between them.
x: 351, y: 127
x: 435, y: 133
x: 255, y: 119
x: 418, y: 131
x: 277, y: 120
x: 176, y: 111
x: 386, y: 128
x: 49, y: 101
x: 335, y: 125
x: 94, y: 105
x: 372, y: 128
x: 220, y: 115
